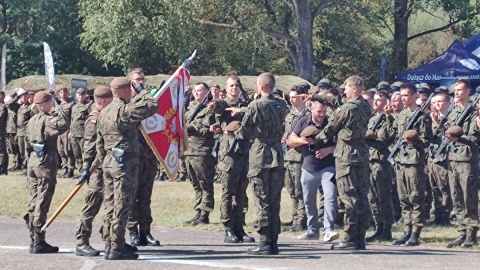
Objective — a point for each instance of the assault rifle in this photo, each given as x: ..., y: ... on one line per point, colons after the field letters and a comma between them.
x: 445, y: 117
x: 244, y: 93
x: 379, y: 121
x: 399, y: 143
x: 445, y: 142
x: 285, y: 146
x: 200, y: 106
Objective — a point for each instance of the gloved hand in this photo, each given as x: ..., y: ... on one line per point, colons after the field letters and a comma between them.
x: 84, y: 176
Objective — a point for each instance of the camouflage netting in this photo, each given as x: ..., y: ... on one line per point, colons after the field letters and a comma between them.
x: 37, y: 82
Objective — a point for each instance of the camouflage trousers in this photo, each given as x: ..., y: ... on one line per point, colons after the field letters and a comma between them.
x: 120, y: 185
x: 379, y: 191
x: 352, y: 184
x: 141, y: 214
x: 93, y: 202
x: 411, y: 184
x: 293, y: 185
x: 65, y: 151
x: 234, y: 192
x: 13, y: 149
x: 77, y: 149
x: 3, y: 155
x: 267, y: 188
x: 22, y: 150
x: 463, y: 178
x: 397, y: 208
x: 200, y: 170
x: 42, y: 179
x: 438, y: 178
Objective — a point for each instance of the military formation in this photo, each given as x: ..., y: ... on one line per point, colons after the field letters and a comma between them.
x: 395, y: 154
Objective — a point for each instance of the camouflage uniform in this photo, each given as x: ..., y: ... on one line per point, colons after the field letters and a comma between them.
x: 43, y: 128
x: 23, y: 116
x: 64, y: 145
x: 233, y: 168
x: 3, y: 139
x: 263, y: 123
x: 94, y: 198
x: 198, y: 158
x: 117, y: 128
x: 12, y: 134
x: 351, y: 162
x: 410, y: 171
x: 293, y: 166
x: 397, y: 209
x: 77, y: 130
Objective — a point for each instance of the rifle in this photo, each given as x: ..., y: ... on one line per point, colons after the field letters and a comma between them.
x: 445, y: 117
x: 445, y: 142
x: 285, y: 146
x: 244, y: 93
x: 377, y: 123
x: 199, y: 107
x: 399, y: 143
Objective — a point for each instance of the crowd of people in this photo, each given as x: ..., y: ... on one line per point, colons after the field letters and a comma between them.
x: 396, y: 153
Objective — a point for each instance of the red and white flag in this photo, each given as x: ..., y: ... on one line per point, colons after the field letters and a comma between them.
x: 164, y: 131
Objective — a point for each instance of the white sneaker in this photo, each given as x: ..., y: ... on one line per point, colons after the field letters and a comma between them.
x: 309, y: 235
x: 330, y: 236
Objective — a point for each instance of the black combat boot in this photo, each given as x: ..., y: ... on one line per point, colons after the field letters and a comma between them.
x: 197, y: 215
x: 65, y: 173
x: 263, y: 248
x: 470, y: 239
x: 40, y: 247
x: 274, y: 245
x: 445, y: 220
x: 107, y: 250
x: 230, y: 237
x: 146, y: 239
x: 69, y: 174
x: 86, y: 250
x: 386, y: 234
x: 458, y: 241
x: 414, y: 239
x: 180, y: 178
x: 361, y: 242
x: 130, y: 248
x: 31, y: 245
x: 244, y: 237
x: 202, y: 219
x: 134, y: 238
x: 346, y: 244
x: 378, y: 232
x: 121, y: 254
x: 402, y: 240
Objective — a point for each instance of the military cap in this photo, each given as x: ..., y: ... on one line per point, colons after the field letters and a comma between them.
x: 119, y: 83
x: 372, y: 90
x: 423, y: 88
x: 278, y: 92
x: 102, y: 91
x: 324, y: 83
x: 441, y: 90
x: 41, y: 97
x: 309, y: 132
x: 396, y: 86
x: 455, y: 131
x: 81, y: 91
x: 370, y: 135
x: 411, y: 135
x: 20, y: 91
x: 233, y: 126
x: 383, y: 85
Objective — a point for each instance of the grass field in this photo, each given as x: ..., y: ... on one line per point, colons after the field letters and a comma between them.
x: 172, y: 204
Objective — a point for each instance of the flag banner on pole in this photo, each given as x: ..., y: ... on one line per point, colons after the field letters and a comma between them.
x: 4, y: 67
x: 164, y: 131
x: 49, y: 69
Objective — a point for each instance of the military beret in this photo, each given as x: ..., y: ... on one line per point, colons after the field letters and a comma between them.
x: 383, y: 85
x: 396, y: 86
x: 119, y: 83
x: 423, y: 88
x: 309, y: 132
x: 102, y: 91
x: 455, y: 131
x: 411, y: 135
x: 233, y: 126
x: 81, y: 91
x: 324, y: 83
x: 41, y: 97
x: 370, y: 135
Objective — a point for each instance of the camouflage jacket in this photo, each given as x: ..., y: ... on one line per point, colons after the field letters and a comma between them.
x: 13, y: 108
x: 3, y: 120
x: 379, y: 147
x: 200, y: 139
x: 44, y: 128
x: 117, y: 126
x: 292, y: 117
x: 66, y: 107
x: 349, y: 125
x: 263, y: 123
x: 414, y: 154
x: 24, y: 115
x: 79, y: 115
x: 90, y: 138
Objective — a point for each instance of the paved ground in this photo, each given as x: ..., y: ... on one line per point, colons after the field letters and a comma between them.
x: 186, y: 248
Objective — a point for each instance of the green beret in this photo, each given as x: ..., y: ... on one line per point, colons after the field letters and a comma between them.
x: 309, y: 132
x: 41, y: 97
x: 455, y: 131
x: 119, y: 83
x: 102, y: 91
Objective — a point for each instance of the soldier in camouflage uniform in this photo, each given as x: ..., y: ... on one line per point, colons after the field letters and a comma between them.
x: 80, y: 113
x: 396, y: 106
x: 3, y: 135
x: 117, y: 151
x: 43, y: 130
x: 12, y: 133
x: 64, y: 145
x: 232, y: 164
x: 351, y: 159
x: 409, y: 166
x: 463, y: 167
x: 198, y: 158
x: 93, y: 201
x: 263, y: 124
x: 24, y: 114
x: 381, y: 172
x: 293, y: 159
x: 140, y: 218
